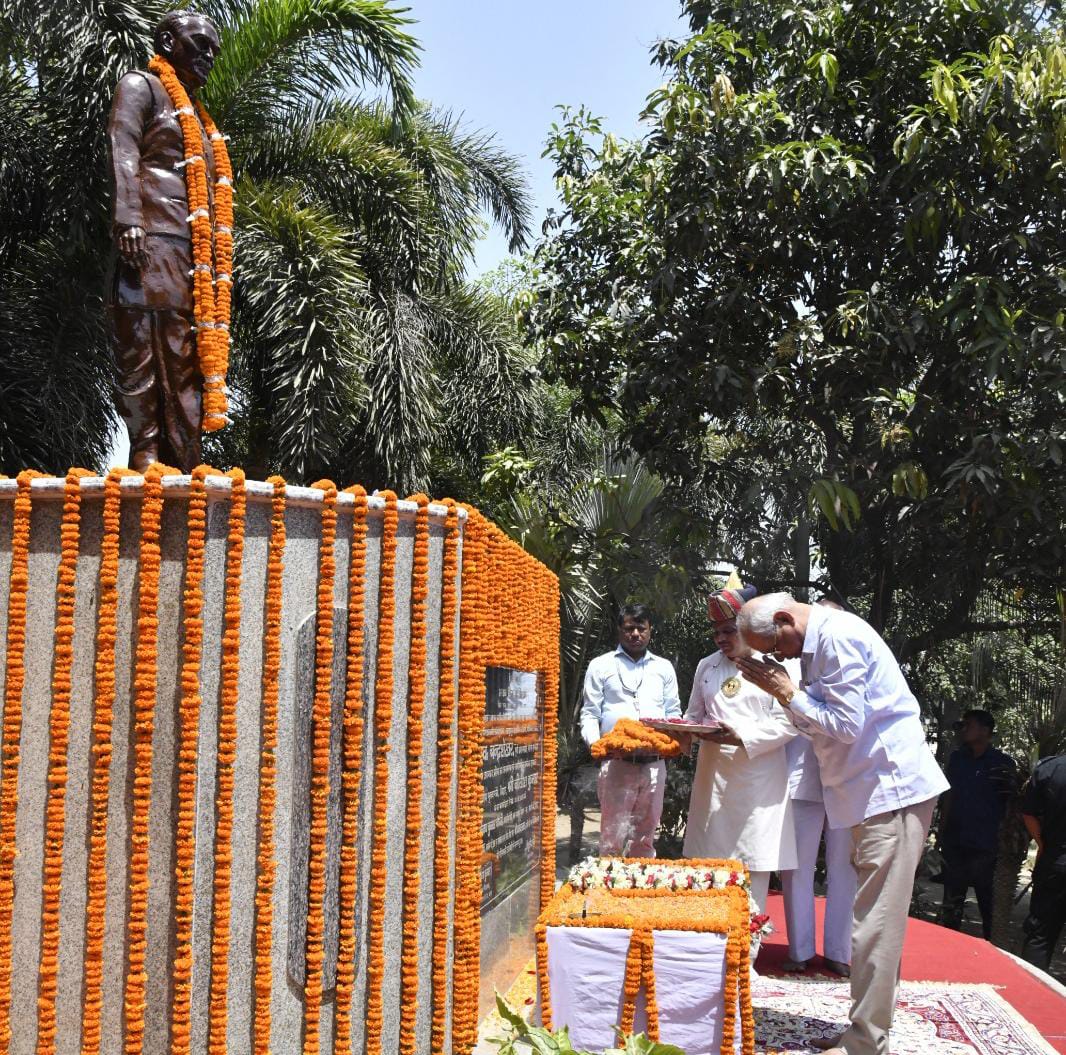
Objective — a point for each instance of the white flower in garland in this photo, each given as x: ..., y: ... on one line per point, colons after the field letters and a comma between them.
x: 614, y: 873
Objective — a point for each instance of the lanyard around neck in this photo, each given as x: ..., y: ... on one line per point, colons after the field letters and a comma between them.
x: 622, y: 681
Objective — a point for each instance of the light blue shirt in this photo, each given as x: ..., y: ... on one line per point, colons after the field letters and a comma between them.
x: 863, y: 720
x: 618, y: 686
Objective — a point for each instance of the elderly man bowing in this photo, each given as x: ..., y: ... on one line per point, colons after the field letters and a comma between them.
x: 739, y: 805
x: 879, y: 778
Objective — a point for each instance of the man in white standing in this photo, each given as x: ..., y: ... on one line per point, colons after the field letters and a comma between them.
x: 809, y: 817
x: 739, y: 806
x: 879, y: 777
x: 630, y: 682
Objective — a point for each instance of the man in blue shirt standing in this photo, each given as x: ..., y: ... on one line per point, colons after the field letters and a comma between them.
x: 630, y: 682
x: 982, y: 780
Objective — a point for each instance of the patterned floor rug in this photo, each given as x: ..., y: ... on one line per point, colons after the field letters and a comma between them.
x: 932, y: 1018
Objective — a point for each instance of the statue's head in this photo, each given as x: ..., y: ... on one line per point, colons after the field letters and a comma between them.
x: 189, y: 41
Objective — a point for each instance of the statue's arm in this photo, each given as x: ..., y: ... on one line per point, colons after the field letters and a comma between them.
x: 130, y: 109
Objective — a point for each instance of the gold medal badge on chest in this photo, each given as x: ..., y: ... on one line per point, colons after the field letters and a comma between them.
x: 730, y: 687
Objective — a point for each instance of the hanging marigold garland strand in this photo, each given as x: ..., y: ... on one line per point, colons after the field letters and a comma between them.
x: 543, y: 978
x: 475, y: 653
x: 320, y: 737
x: 144, y: 691
x: 9, y: 760
x: 212, y: 243
x: 265, y: 864
x: 375, y: 973
x: 226, y: 755
x: 100, y: 766
x: 188, y: 740
x: 416, y: 699
x: 59, y: 738
x: 632, y: 979
x: 442, y: 885
x: 545, y: 613
x: 738, y: 979
x: 651, y: 1005
x: 353, y: 765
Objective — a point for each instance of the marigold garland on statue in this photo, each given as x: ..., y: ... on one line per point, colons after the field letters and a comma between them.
x: 265, y: 864
x: 416, y: 698
x: 59, y: 737
x: 321, y: 716
x: 144, y: 690
x: 100, y: 767
x: 212, y: 244
x: 226, y: 755
x: 353, y: 764
x: 188, y: 739
x: 375, y: 973
x: 445, y: 750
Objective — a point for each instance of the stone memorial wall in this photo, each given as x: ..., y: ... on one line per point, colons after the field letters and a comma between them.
x: 243, y: 738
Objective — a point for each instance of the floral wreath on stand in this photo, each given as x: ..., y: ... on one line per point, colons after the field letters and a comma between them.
x: 616, y: 873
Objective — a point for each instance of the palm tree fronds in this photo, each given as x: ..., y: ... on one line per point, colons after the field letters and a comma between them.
x: 275, y: 51
x: 299, y: 308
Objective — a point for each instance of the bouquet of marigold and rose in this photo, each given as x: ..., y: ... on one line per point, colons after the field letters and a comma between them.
x: 630, y: 737
x: 615, y: 873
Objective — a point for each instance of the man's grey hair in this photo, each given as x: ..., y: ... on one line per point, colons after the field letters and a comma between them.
x: 757, y: 616
x: 171, y: 23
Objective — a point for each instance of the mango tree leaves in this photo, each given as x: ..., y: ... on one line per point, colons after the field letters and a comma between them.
x: 832, y: 278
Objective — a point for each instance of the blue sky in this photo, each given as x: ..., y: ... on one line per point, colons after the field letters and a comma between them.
x: 506, y: 65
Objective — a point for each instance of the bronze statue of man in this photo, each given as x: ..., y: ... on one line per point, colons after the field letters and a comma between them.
x: 150, y: 295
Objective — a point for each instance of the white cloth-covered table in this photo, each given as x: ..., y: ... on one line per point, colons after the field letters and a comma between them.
x: 586, y: 972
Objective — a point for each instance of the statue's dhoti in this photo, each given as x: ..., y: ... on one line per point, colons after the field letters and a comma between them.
x: 158, y: 382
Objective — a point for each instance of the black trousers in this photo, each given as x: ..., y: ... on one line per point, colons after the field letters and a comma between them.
x: 1047, y: 914
x: 965, y: 868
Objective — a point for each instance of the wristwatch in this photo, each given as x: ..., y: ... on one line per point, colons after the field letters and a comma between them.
x: 787, y: 700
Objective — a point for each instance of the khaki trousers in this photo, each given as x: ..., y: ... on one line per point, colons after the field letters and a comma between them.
x: 887, y: 850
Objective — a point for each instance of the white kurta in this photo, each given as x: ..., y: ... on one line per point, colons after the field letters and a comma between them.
x: 740, y: 806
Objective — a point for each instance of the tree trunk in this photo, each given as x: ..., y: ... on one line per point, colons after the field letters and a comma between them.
x: 1013, y: 847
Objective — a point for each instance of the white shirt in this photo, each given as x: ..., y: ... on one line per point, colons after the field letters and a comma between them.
x: 863, y: 720
x: 804, y: 780
x: 618, y: 686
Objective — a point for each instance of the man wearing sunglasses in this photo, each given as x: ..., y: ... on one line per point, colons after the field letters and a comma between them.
x: 879, y: 778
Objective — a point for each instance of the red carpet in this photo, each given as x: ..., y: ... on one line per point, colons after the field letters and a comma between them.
x: 935, y: 954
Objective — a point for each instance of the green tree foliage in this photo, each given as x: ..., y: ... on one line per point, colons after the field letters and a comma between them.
x: 358, y: 345
x: 830, y: 283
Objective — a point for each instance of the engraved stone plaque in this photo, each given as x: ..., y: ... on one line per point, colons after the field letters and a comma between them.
x: 513, y: 774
